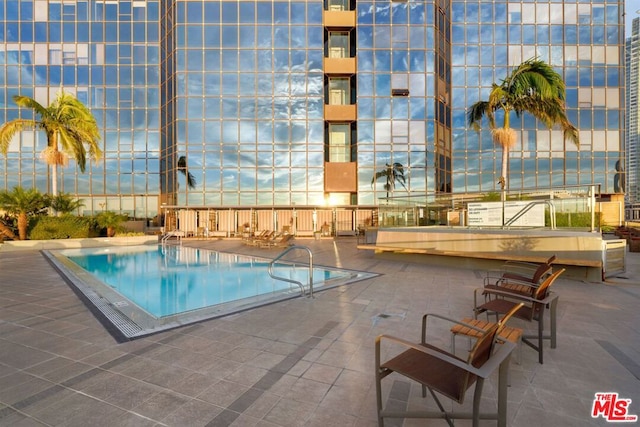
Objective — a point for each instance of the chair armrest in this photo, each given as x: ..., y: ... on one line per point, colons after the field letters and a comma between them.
x: 494, y: 278
x: 457, y: 322
x: 498, y: 280
x: 522, y: 298
x: 485, y: 371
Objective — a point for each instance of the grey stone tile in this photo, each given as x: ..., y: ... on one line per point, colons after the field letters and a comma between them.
x: 290, y: 413
x: 160, y: 405
x: 192, y: 413
x: 322, y: 373
x: 223, y: 393
x: 132, y: 395
x: 98, y: 415
x: 66, y: 408
x: 20, y: 386
x: 20, y: 356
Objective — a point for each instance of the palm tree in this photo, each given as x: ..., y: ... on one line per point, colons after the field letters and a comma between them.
x: 182, y: 167
x: 111, y: 221
x: 69, y: 127
x: 65, y: 203
x: 391, y: 173
x: 533, y: 87
x: 23, y: 204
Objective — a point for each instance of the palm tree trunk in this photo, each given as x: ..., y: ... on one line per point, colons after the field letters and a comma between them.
x: 505, y: 163
x: 23, y: 222
x: 6, y: 231
x: 54, y: 180
x: 52, y: 141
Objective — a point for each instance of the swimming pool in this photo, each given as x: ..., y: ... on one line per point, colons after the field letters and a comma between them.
x: 139, y: 290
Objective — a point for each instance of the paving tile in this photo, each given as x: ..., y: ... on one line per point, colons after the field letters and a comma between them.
x: 290, y: 413
x: 71, y: 405
x: 192, y: 413
x: 160, y: 405
x: 18, y: 386
x: 132, y: 394
x: 223, y: 393
x: 20, y: 356
x: 300, y: 362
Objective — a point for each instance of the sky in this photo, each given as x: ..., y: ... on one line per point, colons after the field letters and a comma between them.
x: 630, y: 8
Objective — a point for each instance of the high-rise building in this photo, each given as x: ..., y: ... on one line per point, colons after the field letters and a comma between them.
x: 281, y: 103
x: 633, y: 114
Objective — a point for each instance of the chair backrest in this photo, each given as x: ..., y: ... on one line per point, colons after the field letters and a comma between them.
x: 543, y: 289
x: 543, y: 270
x: 484, y: 345
x: 540, y: 272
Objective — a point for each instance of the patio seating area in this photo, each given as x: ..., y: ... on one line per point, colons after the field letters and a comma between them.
x: 304, y: 361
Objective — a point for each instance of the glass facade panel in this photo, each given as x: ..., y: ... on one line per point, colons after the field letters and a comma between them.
x: 237, y: 89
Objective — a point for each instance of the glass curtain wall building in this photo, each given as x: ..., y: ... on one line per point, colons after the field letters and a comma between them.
x: 283, y: 103
x: 633, y: 116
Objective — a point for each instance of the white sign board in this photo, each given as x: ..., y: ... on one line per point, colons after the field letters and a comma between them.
x: 490, y: 214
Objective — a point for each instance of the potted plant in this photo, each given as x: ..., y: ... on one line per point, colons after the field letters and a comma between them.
x: 111, y: 221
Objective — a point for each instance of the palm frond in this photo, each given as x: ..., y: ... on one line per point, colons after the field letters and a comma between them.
x: 10, y: 129
x: 476, y: 113
x: 378, y: 175
x: 32, y: 104
x: 182, y: 167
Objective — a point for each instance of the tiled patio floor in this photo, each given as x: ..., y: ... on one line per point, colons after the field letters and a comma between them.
x: 301, y: 362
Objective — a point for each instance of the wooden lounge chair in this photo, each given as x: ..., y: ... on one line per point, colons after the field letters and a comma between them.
x: 281, y: 241
x: 498, y: 301
x: 440, y: 371
x: 257, y: 240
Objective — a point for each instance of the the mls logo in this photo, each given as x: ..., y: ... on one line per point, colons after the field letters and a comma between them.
x: 612, y: 409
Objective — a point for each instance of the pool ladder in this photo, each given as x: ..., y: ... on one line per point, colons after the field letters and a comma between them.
x: 169, y: 234
x: 285, y: 279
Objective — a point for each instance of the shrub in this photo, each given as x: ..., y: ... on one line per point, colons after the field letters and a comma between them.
x: 63, y: 227
x: 573, y: 219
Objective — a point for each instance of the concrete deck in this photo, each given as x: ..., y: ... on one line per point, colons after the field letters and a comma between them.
x: 301, y: 362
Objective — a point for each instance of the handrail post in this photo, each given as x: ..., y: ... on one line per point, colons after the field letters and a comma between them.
x: 289, y: 249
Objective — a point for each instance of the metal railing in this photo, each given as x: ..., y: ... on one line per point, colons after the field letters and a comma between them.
x: 285, y: 279
x: 168, y: 235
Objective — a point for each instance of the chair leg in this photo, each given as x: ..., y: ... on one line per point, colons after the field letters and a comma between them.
x: 540, y: 338
x: 552, y: 316
x: 477, y: 395
x: 444, y: 412
x: 379, y: 399
x: 503, y: 375
x: 379, y: 377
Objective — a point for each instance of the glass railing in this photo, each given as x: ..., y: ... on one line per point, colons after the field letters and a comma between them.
x: 575, y: 207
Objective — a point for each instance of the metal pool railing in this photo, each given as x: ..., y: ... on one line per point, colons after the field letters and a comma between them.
x: 285, y: 279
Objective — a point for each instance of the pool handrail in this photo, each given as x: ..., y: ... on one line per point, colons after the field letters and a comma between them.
x: 285, y: 279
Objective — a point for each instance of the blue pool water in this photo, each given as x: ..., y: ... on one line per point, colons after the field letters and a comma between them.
x: 170, y: 280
